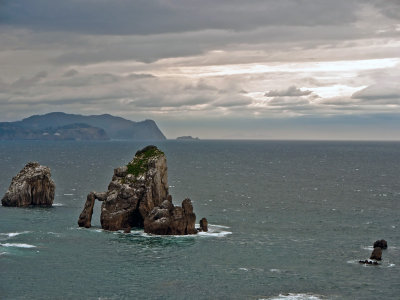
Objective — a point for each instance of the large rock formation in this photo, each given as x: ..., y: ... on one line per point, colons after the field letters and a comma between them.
x: 31, y: 186
x: 138, y: 196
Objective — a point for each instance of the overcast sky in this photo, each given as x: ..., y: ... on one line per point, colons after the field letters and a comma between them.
x: 263, y: 69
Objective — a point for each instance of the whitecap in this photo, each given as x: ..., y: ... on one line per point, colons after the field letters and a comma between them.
x: 243, y: 269
x: 17, y: 245
x: 54, y: 233
x: 275, y: 270
x: 3, y: 253
x: 218, y: 226
x: 293, y: 296
x: 369, y: 248
x: 391, y: 265
x: 214, y: 234
x: 68, y: 194
x: 58, y: 204
x: 13, y: 234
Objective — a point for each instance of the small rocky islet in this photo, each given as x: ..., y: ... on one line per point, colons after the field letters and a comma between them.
x: 31, y: 186
x: 376, y: 254
x: 138, y: 196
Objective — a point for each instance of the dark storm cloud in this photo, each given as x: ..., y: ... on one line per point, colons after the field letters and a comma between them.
x: 161, y: 16
x: 389, y: 8
x: 291, y: 91
x: 25, y: 82
x: 70, y: 73
x: 378, y: 91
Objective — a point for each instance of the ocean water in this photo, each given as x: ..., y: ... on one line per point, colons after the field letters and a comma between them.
x: 289, y: 220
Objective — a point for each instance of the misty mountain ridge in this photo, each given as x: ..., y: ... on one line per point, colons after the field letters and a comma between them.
x: 59, y: 125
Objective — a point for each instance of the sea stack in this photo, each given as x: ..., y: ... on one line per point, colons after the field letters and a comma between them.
x: 137, y: 196
x: 31, y: 186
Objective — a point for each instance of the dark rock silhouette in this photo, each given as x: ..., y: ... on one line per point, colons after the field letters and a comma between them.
x: 376, y: 253
x: 381, y: 244
x: 31, y: 186
x: 203, y: 225
x: 61, y: 126
x: 368, y: 262
x: 138, y: 196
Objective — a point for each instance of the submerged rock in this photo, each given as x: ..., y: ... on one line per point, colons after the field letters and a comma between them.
x: 31, y: 186
x: 381, y: 244
x: 138, y: 196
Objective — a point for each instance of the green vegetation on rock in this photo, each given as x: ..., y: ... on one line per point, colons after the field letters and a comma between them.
x: 139, y: 165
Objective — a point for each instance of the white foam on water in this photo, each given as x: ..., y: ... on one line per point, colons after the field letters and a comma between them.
x: 275, y: 270
x: 13, y: 234
x: 369, y: 248
x: 3, y: 253
x: 243, y: 269
x: 68, y: 194
x: 391, y: 265
x: 17, y: 245
x: 54, y: 233
x: 214, y: 225
x: 293, y: 296
x: 58, y: 204
x: 210, y: 233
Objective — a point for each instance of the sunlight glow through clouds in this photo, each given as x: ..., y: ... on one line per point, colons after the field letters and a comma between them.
x: 257, y: 68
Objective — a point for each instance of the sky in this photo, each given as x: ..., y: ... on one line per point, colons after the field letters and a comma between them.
x: 216, y: 69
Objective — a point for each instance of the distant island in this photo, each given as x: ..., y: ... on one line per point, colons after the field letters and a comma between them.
x: 187, y: 137
x: 62, y: 126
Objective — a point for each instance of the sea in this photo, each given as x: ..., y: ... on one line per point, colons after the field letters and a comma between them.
x: 288, y: 220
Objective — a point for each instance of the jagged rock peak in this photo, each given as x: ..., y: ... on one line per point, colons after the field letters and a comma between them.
x: 31, y: 186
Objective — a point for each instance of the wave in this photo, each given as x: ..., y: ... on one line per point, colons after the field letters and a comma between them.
x: 17, y: 245
x: 217, y: 226
x: 58, y: 204
x: 293, y: 296
x: 213, y: 231
x: 13, y: 234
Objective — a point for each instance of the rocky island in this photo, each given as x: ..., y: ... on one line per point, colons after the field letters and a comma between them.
x: 31, y: 186
x: 187, y: 138
x: 138, y: 196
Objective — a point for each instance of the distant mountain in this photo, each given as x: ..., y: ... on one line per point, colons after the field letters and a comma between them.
x: 60, y: 125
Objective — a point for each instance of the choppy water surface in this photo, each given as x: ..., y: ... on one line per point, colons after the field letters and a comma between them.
x: 290, y: 221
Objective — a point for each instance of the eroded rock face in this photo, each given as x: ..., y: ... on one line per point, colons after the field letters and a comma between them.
x: 171, y: 220
x: 133, y: 194
x: 376, y: 253
x: 31, y: 186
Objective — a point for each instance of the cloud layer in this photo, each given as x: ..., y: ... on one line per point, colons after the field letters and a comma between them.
x: 192, y: 64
